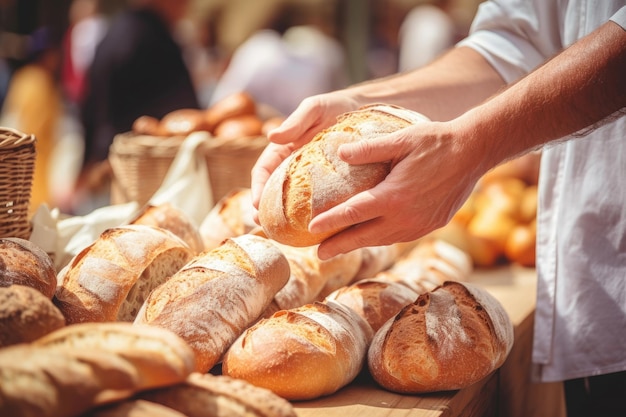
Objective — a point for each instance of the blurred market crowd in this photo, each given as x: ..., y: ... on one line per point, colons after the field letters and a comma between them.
x: 58, y: 60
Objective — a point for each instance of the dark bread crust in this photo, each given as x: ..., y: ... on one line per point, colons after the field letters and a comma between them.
x: 24, y: 263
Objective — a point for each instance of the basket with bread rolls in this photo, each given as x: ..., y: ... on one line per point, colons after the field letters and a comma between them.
x: 161, y: 316
x: 236, y: 128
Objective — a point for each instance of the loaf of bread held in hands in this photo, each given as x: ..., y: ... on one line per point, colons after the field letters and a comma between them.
x: 314, y: 179
x: 26, y: 315
x: 24, y: 263
x: 447, y: 339
x: 87, y: 365
x: 110, y: 279
x: 168, y: 217
x: 215, y: 297
x: 301, y: 353
x: 201, y: 395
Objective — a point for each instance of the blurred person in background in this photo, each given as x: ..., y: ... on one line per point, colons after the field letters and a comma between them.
x: 531, y: 75
x: 34, y: 105
x: 138, y: 69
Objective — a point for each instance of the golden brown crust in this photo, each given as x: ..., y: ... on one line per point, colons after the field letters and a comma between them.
x: 216, y: 296
x: 313, y: 178
x: 24, y: 263
x: 223, y: 395
x: 109, y: 279
x: 26, y: 315
x: 302, y: 353
x: 447, y: 339
x: 134, y: 408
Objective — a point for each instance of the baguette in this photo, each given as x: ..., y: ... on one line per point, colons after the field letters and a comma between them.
x: 215, y: 297
x: 219, y: 396
x: 109, y: 280
x: 26, y: 314
x: 168, y: 217
x: 313, y: 178
x: 24, y: 263
x: 302, y: 353
x: 447, y: 339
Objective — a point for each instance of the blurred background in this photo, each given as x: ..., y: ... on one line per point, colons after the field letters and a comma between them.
x: 279, y: 51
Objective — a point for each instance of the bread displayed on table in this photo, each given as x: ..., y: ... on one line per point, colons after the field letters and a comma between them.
x: 86, y: 365
x: 110, y: 279
x: 447, y: 339
x: 217, y: 295
x: 26, y: 315
x: 313, y: 178
x: 301, y: 353
x: 24, y: 263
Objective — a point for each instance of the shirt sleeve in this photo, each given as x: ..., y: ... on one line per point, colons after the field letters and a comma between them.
x: 620, y: 17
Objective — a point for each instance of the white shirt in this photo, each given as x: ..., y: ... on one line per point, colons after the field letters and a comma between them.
x: 580, y: 321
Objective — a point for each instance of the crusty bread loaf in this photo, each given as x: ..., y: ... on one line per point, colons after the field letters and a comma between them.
x: 202, y: 395
x: 26, y: 314
x: 215, y: 297
x: 302, y: 353
x: 375, y: 259
x: 168, y: 217
x: 232, y: 215
x: 110, y: 279
x: 375, y: 300
x: 447, y: 339
x: 339, y: 271
x: 24, y: 263
x: 160, y: 356
x: 133, y: 408
x: 86, y: 365
x: 313, y: 178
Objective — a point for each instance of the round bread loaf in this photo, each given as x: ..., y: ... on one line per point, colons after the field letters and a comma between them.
x: 314, y: 179
x: 447, y: 339
x: 24, y: 263
x: 26, y: 315
x: 168, y: 217
x: 110, y: 279
x: 302, y: 353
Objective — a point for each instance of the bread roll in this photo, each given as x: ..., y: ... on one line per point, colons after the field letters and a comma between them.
x: 447, y: 339
x: 26, y: 314
x: 24, y: 263
x: 233, y: 105
x: 313, y: 178
x: 302, y: 353
x: 110, y: 279
x: 182, y: 122
x: 168, y: 217
x: 244, y: 126
x: 215, y: 297
x: 159, y: 355
x: 232, y: 215
x: 220, y: 396
x: 375, y: 300
x: 134, y: 408
x: 146, y: 125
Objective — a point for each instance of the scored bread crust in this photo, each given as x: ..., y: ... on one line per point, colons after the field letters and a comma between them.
x: 215, y: 297
x: 447, y: 339
x: 314, y: 179
x: 302, y: 353
x: 24, y: 263
x: 108, y: 280
x: 223, y: 395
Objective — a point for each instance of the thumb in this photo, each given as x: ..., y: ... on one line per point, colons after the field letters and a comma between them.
x: 382, y: 149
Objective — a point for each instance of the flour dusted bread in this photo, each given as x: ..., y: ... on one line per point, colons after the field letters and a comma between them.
x: 313, y: 178
x: 109, y: 280
x: 26, y: 315
x: 447, y: 339
x: 216, y: 296
x: 168, y: 217
x: 24, y: 263
x: 301, y: 353
x: 201, y: 395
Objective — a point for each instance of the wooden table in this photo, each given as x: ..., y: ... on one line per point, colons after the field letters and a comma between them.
x: 507, y: 392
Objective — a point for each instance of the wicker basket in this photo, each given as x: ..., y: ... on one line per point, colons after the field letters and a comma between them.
x: 140, y: 163
x: 17, y: 166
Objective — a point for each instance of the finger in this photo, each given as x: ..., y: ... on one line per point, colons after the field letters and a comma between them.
x: 268, y: 161
x: 300, y: 126
x: 371, y: 233
x: 357, y: 209
x: 383, y: 149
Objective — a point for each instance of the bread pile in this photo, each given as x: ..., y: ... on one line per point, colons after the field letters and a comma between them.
x: 234, y: 116
x: 497, y: 224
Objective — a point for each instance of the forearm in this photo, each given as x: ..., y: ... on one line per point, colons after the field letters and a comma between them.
x: 578, y: 88
x: 442, y: 90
